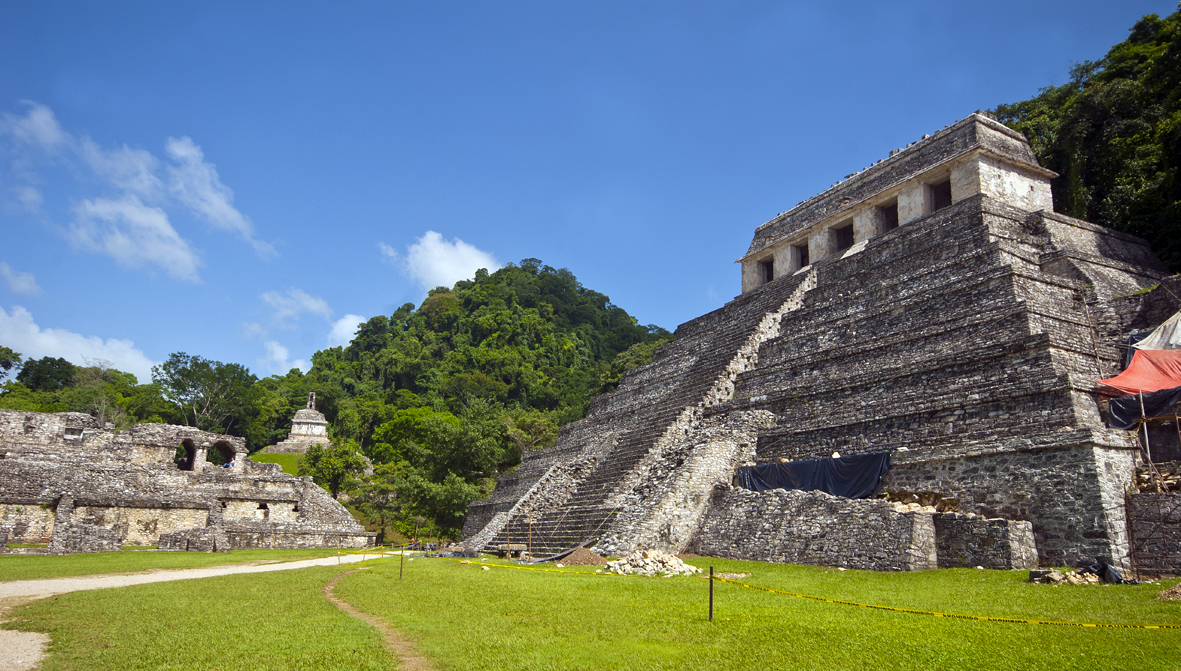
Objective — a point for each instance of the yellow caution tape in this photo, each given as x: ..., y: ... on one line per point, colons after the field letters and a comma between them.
x: 980, y: 618
x: 912, y: 611
x: 528, y: 568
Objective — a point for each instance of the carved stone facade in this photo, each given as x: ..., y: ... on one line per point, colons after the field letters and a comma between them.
x: 931, y: 306
x: 68, y: 482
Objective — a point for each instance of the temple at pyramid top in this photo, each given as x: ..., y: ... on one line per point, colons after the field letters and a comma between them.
x: 975, y: 155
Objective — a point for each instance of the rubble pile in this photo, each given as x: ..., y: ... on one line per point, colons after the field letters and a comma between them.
x: 928, y: 502
x: 651, y: 563
x: 1169, y: 480
x: 1055, y: 577
x: 1171, y: 594
x: 584, y: 557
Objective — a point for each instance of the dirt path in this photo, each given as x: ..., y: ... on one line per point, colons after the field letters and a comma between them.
x: 402, y: 647
x: 52, y: 586
x: 23, y: 650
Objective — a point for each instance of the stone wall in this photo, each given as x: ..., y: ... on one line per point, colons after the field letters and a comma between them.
x: 141, y: 525
x: 28, y: 523
x: 60, y: 474
x: 1154, y: 521
x: 966, y: 540
x: 815, y: 528
x: 1067, y: 485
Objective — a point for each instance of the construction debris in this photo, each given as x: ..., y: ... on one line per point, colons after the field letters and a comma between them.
x: 928, y: 502
x: 1171, y: 594
x: 1170, y: 477
x: 651, y: 563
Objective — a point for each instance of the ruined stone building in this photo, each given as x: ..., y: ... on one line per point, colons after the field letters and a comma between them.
x: 67, y: 481
x: 308, y: 427
x: 932, y: 306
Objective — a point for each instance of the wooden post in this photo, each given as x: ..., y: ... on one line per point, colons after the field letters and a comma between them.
x: 711, y: 594
x: 1152, y: 472
x: 401, y: 563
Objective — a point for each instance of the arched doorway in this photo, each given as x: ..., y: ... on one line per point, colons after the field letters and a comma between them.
x: 221, y: 454
x: 185, y: 455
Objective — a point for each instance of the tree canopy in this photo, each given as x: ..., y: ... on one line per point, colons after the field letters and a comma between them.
x: 1113, y: 134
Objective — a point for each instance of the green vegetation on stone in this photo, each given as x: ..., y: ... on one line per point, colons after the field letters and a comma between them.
x: 288, y: 462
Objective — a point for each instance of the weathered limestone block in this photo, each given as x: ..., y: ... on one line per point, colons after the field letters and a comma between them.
x: 914, y: 203
x: 76, y: 537
x: 963, y: 540
x: 867, y: 223
x: 27, y: 523
x: 207, y: 539
x: 815, y: 528
x: 1017, y: 185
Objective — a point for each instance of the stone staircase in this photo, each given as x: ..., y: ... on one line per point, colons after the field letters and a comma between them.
x: 653, y: 404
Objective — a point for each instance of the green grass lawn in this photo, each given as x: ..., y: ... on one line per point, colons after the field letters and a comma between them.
x: 32, y: 567
x: 505, y: 619
x: 288, y: 462
x: 259, y: 622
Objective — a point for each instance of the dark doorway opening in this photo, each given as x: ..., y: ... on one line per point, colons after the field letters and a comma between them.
x: 889, y: 216
x: 766, y: 271
x: 941, y: 195
x: 185, y: 455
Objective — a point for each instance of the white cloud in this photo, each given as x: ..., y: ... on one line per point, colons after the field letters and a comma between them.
x: 145, y: 189
x: 344, y: 329
x: 19, y: 332
x: 18, y: 282
x: 134, y: 235
x: 39, y: 127
x: 434, y: 262
x: 277, y: 360
x: 29, y: 197
x: 195, y: 183
x: 389, y: 253
x: 296, y: 302
x: 132, y: 170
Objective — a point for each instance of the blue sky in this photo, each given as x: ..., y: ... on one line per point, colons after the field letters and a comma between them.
x: 245, y: 181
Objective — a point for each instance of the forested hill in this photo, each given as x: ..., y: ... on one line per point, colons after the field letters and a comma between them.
x: 1113, y: 134
x: 527, y: 338
x: 442, y: 398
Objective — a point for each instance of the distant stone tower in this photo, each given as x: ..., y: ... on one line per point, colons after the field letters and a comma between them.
x: 308, y: 428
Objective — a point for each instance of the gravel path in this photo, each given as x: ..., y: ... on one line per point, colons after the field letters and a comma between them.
x: 44, y: 588
x: 23, y: 650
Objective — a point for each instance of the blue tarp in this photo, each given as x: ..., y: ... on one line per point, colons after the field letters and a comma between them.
x: 1125, y: 411
x: 855, y: 477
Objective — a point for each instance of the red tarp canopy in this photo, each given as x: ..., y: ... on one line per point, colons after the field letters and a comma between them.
x: 1150, y: 370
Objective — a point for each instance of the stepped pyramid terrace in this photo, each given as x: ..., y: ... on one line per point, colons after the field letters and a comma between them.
x: 930, y: 313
